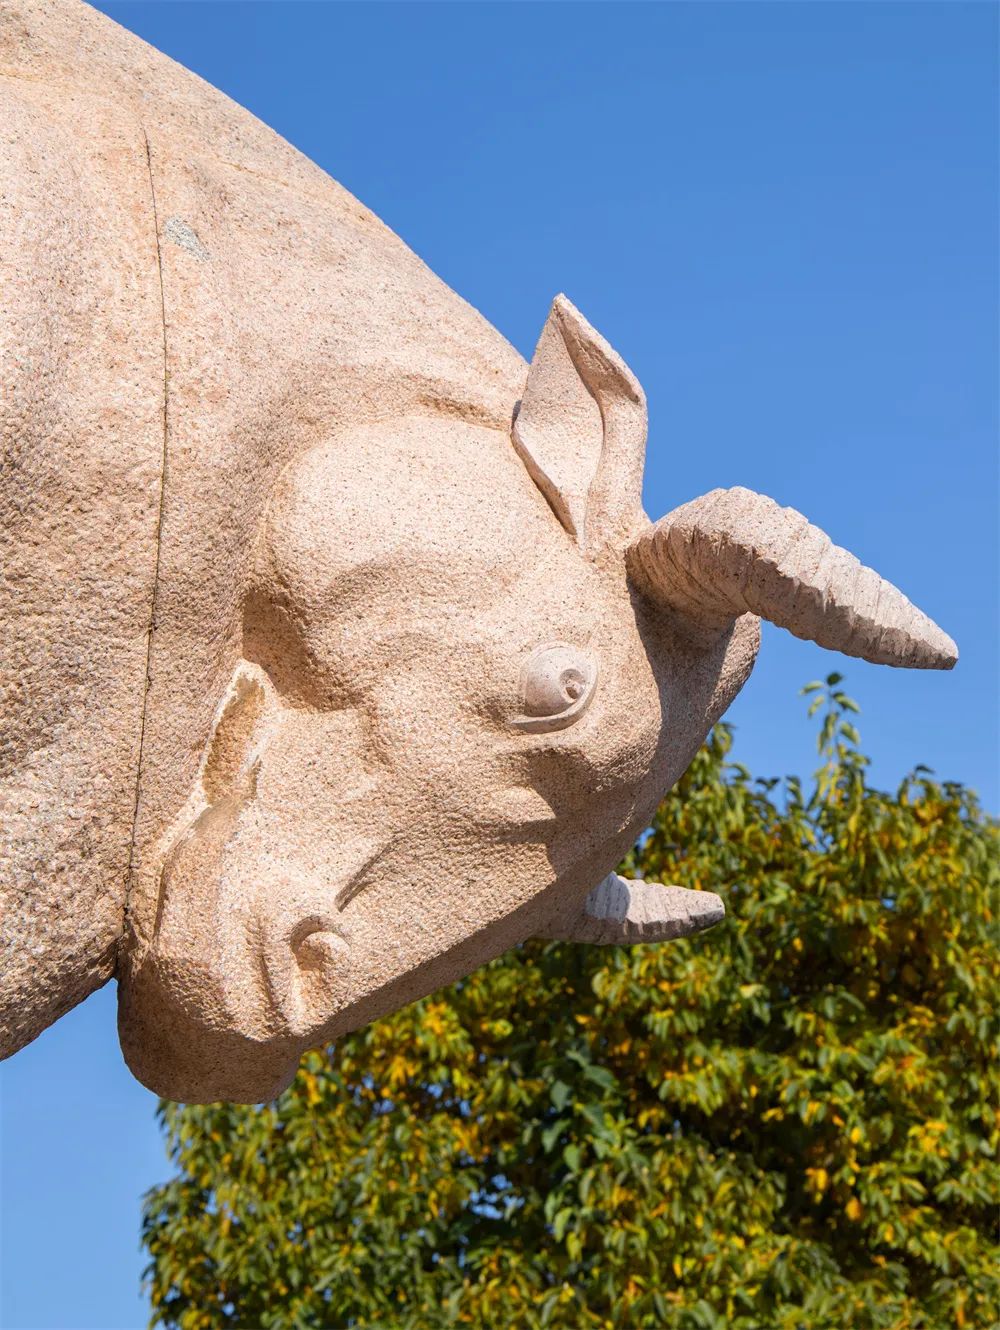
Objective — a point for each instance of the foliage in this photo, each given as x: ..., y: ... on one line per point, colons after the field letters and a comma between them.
x: 788, y: 1122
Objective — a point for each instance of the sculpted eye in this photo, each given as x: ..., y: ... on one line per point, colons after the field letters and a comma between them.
x: 557, y: 683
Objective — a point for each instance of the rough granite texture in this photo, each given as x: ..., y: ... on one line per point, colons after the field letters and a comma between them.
x: 339, y: 654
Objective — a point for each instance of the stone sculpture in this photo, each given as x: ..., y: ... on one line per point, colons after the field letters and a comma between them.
x: 340, y: 655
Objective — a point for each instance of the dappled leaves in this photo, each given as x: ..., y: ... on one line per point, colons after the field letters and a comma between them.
x: 790, y: 1121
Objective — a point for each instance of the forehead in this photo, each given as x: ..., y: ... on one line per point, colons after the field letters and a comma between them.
x: 425, y: 508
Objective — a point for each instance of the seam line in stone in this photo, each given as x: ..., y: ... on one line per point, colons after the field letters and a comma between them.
x: 156, y: 561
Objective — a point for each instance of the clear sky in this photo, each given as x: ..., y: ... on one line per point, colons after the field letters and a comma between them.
x: 784, y: 216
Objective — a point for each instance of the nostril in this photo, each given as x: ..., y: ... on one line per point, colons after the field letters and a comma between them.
x: 316, y: 949
x: 305, y: 938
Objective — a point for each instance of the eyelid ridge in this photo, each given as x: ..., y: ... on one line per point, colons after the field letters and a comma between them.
x: 584, y: 663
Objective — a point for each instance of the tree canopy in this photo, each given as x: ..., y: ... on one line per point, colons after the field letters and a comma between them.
x: 788, y: 1122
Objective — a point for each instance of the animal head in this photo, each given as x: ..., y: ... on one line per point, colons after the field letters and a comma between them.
x: 471, y: 669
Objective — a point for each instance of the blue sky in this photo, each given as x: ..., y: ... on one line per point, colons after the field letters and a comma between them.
x: 784, y: 217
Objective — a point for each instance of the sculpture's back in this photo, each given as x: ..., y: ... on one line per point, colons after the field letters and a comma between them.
x: 188, y: 303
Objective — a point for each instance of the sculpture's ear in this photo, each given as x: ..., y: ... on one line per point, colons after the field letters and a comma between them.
x: 229, y: 768
x: 580, y: 429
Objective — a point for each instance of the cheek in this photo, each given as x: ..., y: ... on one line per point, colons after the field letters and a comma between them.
x: 622, y: 731
x: 431, y: 741
x: 314, y: 763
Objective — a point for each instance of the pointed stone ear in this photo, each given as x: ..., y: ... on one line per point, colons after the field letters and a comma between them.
x: 580, y: 430
x: 228, y: 770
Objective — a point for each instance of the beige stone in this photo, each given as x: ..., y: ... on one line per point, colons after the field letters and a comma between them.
x: 340, y: 654
x: 81, y: 440
x: 620, y: 910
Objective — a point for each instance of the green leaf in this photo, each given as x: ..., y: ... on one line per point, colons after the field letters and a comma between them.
x: 560, y: 1094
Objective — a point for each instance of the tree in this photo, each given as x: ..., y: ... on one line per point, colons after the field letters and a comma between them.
x: 790, y: 1121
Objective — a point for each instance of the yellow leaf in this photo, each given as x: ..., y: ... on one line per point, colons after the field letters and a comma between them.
x: 818, y: 1178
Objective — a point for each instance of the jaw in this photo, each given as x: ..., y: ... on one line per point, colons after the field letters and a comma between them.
x: 179, y: 1055
x: 740, y: 643
x: 226, y: 1013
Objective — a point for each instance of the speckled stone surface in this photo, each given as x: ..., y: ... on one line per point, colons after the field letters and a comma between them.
x: 339, y: 653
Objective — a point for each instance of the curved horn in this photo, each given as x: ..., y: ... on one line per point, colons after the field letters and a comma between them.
x: 620, y: 910
x: 734, y: 552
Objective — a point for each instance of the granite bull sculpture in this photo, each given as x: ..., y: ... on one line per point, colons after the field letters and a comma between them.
x: 343, y: 654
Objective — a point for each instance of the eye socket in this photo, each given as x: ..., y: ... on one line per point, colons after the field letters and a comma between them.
x: 557, y: 684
